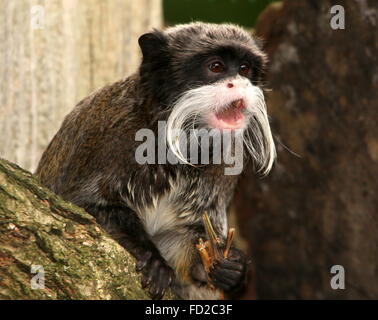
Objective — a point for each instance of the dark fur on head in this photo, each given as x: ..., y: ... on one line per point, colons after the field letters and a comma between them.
x: 154, y: 210
x: 178, y: 54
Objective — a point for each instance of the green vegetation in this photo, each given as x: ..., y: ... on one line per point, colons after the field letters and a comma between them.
x: 242, y: 12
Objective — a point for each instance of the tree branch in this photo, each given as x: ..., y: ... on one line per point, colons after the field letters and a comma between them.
x: 79, y: 260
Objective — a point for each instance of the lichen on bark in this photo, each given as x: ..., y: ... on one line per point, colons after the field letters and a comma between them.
x: 79, y: 259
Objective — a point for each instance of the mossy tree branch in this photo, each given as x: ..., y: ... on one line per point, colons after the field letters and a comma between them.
x: 79, y: 259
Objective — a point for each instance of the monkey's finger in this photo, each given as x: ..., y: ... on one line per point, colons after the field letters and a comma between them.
x: 216, y: 280
x: 228, y: 276
x: 222, y: 285
x: 231, y: 265
x: 164, y: 277
x: 140, y: 265
x: 156, y: 292
x: 146, y: 281
x: 219, y: 271
x: 158, y: 295
x: 226, y: 280
x: 236, y: 255
x: 170, y: 279
x: 148, y: 276
x: 161, y: 287
x: 155, y: 276
x: 143, y: 261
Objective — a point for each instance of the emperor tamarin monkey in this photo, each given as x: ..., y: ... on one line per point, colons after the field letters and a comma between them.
x: 194, y: 75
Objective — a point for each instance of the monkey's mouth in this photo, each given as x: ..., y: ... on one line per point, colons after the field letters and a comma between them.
x: 230, y: 117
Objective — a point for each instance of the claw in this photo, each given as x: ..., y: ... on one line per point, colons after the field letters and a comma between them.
x: 143, y: 261
x: 157, y: 275
x: 146, y: 281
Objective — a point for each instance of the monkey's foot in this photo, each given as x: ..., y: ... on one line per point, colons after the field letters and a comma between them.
x: 229, y: 274
x: 157, y: 275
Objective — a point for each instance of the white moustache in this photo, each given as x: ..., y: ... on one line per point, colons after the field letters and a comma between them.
x: 195, y: 106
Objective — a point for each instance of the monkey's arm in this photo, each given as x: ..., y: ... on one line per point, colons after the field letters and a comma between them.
x: 125, y: 227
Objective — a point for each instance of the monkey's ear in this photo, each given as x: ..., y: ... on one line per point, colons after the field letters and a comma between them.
x: 152, y: 44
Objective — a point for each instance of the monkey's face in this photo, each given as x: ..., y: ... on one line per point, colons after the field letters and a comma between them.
x: 208, y: 76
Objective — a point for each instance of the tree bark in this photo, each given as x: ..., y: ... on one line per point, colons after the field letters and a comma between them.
x: 53, y: 53
x: 79, y: 259
x: 318, y: 209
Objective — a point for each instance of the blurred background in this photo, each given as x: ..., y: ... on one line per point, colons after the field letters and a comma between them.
x: 318, y: 208
x: 242, y: 12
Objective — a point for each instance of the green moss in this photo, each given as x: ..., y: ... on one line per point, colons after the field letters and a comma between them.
x: 79, y: 258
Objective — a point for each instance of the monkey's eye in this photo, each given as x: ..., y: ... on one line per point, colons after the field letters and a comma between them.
x: 245, y: 69
x: 216, y: 67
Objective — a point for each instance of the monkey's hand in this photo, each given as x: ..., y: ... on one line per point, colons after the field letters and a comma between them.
x: 156, y: 274
x: 229, y: 274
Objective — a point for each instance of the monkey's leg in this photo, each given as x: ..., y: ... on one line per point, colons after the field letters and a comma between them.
x: 124, y: 226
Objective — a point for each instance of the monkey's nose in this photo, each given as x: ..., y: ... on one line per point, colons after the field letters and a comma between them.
x: 238, y: 104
